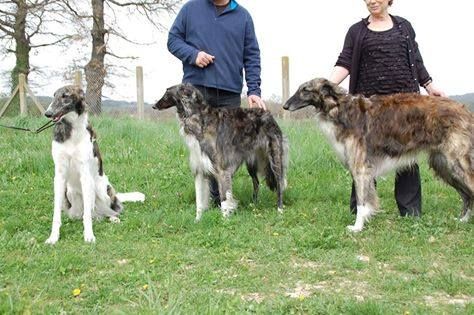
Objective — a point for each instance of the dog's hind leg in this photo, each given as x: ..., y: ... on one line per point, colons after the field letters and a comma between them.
x: 367, y: 200
x: 201, y: 185
x: 252, y: 168
x: 228, y: 203
x: 453, y: 172
x: 59, y: 195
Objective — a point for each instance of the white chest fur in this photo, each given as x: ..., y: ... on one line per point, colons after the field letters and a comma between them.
x: 329, y: 130
x: 198, y: 160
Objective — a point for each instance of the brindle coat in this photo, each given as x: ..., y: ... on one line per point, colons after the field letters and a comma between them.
x: 376, y: 134
x: 220, y: 140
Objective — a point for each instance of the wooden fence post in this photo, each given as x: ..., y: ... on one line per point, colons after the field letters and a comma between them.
x: 78, y: 78
x: 285, y: 80
x: 140, y: 94
x: 21, y: 91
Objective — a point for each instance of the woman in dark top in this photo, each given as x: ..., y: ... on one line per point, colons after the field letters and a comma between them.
x: 381, y: 56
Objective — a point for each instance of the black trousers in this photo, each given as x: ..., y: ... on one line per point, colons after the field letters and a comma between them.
x: 218, y: 98
x: 407, y: 192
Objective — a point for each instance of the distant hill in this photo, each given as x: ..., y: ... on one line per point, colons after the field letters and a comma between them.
x: 467, y: 99
x: 108, y: 104
x: 114, y: 105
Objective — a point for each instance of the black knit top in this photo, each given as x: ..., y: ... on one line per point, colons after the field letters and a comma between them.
x: 385, y: 66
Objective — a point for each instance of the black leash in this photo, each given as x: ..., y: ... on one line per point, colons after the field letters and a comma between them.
x: 49, y: 124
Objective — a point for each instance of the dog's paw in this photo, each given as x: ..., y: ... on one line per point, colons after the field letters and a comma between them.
x: 89, y: 238
x: 280, y: 210
x: 114, y: 219
x: 354, y: 228
x: 226, y: 213
x: 53, y: 239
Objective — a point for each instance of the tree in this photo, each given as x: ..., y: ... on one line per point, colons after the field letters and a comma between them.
x: 27, y: 25
x: 103, y: 16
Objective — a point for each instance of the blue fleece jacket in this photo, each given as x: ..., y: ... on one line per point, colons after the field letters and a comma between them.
x: 230, y: 37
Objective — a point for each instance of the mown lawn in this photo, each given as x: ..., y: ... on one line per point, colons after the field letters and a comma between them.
x: 158, y: 261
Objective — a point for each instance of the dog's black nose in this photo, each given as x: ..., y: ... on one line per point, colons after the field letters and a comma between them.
x: 48, y: 114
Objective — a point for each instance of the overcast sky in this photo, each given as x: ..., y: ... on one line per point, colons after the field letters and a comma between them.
x: 311, y: 33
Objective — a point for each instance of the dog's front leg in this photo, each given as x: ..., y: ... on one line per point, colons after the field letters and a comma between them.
x: 201, y: 184
x: 88, y: 195
x: 60, y: 170
x: 366, y: 200
x: 228, y: 203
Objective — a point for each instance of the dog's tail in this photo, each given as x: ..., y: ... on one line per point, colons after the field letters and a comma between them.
x: 278, y: 163
x: 131, y: 197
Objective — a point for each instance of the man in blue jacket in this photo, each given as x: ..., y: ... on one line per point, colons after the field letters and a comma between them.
x: 215, y: 40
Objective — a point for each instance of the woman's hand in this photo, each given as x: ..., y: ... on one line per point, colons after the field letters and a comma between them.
x: 433, y: 90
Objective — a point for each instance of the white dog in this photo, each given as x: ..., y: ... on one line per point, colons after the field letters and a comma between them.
x: 81, y: 188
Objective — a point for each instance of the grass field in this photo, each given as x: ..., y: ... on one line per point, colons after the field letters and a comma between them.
x: 158, y: 261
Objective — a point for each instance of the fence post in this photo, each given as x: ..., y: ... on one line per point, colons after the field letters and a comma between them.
x: 21, y: 91
x: 140, y: 94
x: 285, y: 80
x: 78, y: 78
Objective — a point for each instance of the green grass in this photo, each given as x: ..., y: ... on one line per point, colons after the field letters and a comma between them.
x: 157, y: 260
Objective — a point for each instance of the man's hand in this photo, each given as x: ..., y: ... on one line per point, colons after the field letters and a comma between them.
x: 203, y: 59
x: 256, y: 101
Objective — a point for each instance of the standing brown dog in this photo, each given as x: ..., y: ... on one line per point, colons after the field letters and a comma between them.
x: 374, y: 135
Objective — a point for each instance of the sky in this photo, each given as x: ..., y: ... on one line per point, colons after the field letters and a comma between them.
x: 311, y: 33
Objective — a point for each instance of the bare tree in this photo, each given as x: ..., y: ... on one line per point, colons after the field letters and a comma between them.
x: 27, y: 25
x: 105, y: 18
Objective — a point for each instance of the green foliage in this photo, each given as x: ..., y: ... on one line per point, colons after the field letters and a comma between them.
x: 158, y: 261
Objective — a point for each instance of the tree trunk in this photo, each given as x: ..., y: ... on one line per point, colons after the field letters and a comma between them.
x: 95, y: 69
x: 22, y: 53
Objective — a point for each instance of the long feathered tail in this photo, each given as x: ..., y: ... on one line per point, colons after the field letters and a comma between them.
x: 131, y: 197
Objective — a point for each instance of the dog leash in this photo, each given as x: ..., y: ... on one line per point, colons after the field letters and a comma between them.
x: 49, y: 124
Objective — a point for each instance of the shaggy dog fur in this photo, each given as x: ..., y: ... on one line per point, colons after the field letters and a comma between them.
x: 374, y: 135
x: 220, y: 140
x: 81, y: 188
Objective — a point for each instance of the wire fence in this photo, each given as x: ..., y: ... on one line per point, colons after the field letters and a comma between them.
x: 22, y: 101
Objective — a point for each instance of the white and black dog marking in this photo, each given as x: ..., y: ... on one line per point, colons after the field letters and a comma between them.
x: 377, y: 134
x: 81, y: 188
x: 220, y: 140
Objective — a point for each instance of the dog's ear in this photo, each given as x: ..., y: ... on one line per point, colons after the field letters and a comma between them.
x: 330, y: 94
x: 79, y: 92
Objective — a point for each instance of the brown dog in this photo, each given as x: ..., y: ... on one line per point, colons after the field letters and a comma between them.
x: 374, y: 135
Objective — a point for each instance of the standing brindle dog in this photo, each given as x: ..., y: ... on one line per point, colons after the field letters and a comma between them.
x: 374, y: 135
x: 220, y: 140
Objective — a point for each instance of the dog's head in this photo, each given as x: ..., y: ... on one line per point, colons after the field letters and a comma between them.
x: 185, y: 97
x: 320, y: 93
x: 67, y: 101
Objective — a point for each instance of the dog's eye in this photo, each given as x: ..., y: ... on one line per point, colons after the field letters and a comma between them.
x: 65, y: 95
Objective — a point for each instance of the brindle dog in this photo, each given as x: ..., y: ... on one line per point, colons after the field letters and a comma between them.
x: 374, y: 135
x: 220, y: 140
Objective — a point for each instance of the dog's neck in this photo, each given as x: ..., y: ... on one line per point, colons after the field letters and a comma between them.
x: 71, y: 125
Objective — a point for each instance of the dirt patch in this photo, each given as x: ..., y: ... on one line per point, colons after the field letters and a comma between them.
x: 443, y: 299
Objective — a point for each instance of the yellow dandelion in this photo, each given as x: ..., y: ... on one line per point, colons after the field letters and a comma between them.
x: 275, y: 234
x: 76, y: 292
x: 145, y: 287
